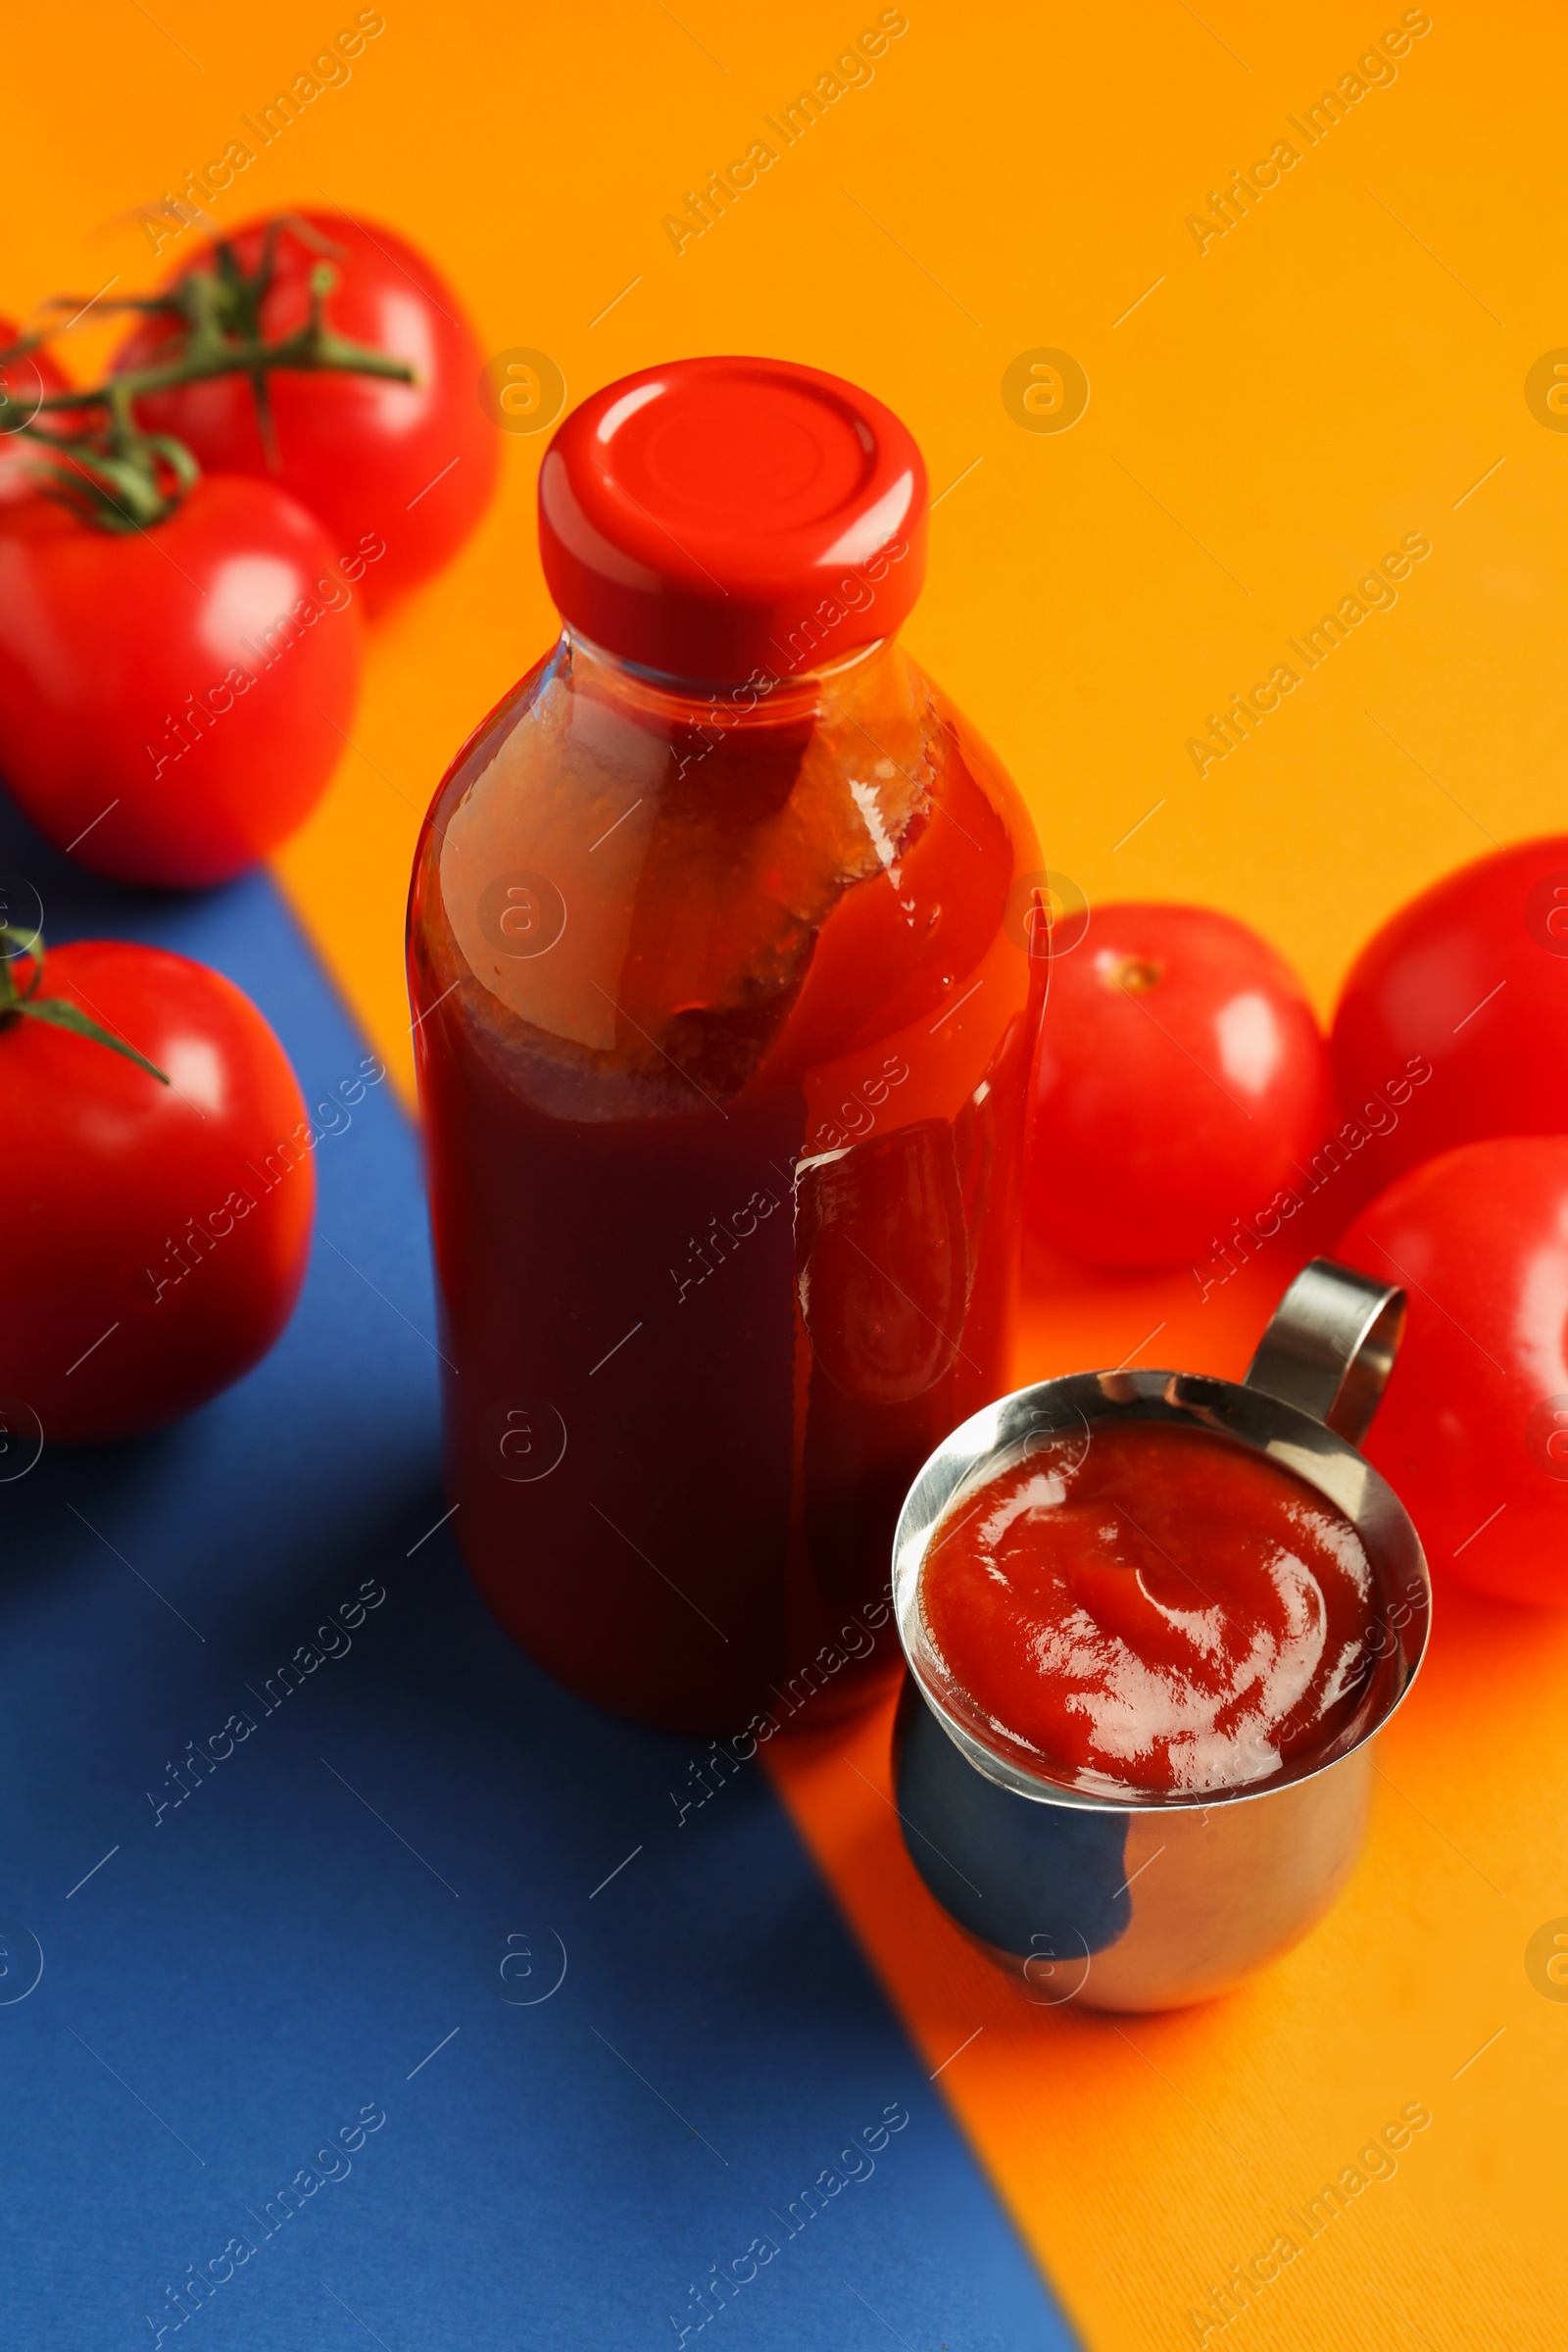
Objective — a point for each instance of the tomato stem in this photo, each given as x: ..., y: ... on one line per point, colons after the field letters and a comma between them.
x: 58, y: 1011
x: 311, y: 348
x: 1135, y: 975
x: 121, y: 479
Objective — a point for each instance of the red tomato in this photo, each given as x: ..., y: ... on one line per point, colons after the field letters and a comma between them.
x: 153, y: 1239
x: 411, y: 464
x: 1180, y: 1075
x: 1470, y: 979
x: 172, y: 700
x: 1473, y: 1434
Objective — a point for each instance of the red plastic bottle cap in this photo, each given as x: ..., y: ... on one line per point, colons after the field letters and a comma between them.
x: 714, y: 517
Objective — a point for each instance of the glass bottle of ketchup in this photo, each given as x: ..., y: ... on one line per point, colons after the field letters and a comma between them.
x: 720, y: 957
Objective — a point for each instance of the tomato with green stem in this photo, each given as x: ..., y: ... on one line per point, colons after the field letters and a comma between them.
x: 413, y: 464
x: 174, y: 700
x: 1179, y: 1079
x: 28, y: 375
x: 178, y: 659
x: 157, y: 1194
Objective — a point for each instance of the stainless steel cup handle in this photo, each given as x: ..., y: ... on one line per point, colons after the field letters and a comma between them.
x: 1331, y: 1346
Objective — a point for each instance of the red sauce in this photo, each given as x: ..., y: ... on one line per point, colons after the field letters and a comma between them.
x: 724, y: 1196
x: 1162, y: 1610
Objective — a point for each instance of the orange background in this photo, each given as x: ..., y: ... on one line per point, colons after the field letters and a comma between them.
x: 1340, y: 369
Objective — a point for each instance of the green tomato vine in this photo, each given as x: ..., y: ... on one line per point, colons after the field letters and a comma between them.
x: 106, y: 467
x: 58, y: 1011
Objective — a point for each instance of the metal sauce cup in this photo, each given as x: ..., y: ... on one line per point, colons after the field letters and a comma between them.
x: 1151, y: 1902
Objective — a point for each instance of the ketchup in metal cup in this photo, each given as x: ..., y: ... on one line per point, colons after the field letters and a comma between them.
x: 719, y: 955
x: 1160, y: 1611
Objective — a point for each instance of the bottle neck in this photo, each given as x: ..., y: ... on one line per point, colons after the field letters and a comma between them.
x: 768, y: 698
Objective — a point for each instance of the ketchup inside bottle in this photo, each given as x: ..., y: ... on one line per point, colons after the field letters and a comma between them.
x: 1159, y: 1610
x: 723, y: 1014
